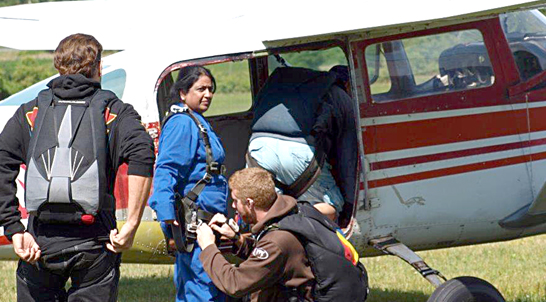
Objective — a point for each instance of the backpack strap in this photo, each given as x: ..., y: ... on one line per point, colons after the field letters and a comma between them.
x: 44, y: 100
x: 187, y: 212
x: 275, y: 224
x: 304, y: 181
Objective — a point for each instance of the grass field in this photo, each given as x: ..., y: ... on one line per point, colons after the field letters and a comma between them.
x: 516, y: 268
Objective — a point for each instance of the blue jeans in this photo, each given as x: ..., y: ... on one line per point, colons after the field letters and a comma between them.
x: 190, y: 279
x: 288, y: 160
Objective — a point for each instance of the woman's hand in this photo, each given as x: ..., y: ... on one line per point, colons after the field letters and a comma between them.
x: 172, y: 221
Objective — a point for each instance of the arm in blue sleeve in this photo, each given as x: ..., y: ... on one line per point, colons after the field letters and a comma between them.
x: 177, y: 152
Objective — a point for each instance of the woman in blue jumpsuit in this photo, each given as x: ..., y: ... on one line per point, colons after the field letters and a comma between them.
x: 181, y: 163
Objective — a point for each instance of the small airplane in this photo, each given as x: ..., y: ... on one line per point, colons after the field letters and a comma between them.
x: 449, y: 95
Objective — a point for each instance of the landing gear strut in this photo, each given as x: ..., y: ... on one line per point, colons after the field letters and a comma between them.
x: 391, y: 246
x: 460, y: 289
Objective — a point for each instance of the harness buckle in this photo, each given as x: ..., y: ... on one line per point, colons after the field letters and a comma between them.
x: 178, y: 109
x: 191, y: 228
x: 202, y: 128
x: 216, y: 168
x: 207, y: 178
x: 213, y: 167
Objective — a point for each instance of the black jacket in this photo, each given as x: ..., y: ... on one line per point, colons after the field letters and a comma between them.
x: 291, y: 106
x: 129, y: 143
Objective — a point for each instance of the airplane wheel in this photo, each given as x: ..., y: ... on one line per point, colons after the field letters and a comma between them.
x: 466, y: 289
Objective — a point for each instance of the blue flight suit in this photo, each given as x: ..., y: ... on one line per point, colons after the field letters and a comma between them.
x: 181, y: 163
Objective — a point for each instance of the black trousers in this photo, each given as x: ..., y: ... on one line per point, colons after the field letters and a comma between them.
x: 93, y: 270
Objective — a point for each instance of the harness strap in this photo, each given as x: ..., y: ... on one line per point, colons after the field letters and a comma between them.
x: 304, y: 181
x: 187, y: 211
x: 212, y: 166
x: 45, y: 98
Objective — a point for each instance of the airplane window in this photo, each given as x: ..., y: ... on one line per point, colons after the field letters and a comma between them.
x: 525, y: 32
x: 518, y: 24
x: 428, y: 65
x: 233, y: 88
x: 113, y: 80
x: 378, y: 75
x: 322, y: 59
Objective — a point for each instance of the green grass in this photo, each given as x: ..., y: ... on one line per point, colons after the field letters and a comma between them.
x: 138, y: 283
x: 516, y: 268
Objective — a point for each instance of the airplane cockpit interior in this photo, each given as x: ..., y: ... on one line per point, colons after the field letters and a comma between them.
x: 524, y: 31
x: 465, y: 66
x: 428, y: 65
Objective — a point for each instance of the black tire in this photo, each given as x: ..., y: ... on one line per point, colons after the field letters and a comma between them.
x: 466, y: 289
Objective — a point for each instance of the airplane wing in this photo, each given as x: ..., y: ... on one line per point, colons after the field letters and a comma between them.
x: 122, y: 24
x: 41, y: 26
x: 311, y: 23
x: 117, y: 24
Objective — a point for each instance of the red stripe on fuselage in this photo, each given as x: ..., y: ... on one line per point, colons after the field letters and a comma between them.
x: 456, y: 170
x: 454, y: 154
x: 438, y: 131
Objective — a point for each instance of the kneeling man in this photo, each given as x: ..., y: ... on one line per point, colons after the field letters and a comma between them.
x: 276, y: 267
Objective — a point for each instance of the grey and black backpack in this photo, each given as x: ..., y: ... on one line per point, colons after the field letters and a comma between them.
x: 66, y: 177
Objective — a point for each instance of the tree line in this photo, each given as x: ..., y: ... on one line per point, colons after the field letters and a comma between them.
x: 22, y: 71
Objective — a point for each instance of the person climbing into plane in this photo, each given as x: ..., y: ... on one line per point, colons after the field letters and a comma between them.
x: 304, y: 122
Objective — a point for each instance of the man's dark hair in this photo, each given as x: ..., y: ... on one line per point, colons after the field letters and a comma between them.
x: 78, y: 54
x: 342, y: 75
x: 187, y: 77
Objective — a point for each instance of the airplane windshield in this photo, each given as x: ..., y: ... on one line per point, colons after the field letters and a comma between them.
x: 523, y: 24
x: 526, y: 35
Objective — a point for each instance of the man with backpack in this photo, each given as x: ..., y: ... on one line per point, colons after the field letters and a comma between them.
x: 304, y: 124
x: 72, y: 138
x: 282, y: 254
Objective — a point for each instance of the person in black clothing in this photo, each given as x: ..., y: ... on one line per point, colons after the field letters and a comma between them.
x: 89, y: 252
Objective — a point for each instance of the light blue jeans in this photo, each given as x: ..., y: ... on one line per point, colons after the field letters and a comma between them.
x: 288, y: 160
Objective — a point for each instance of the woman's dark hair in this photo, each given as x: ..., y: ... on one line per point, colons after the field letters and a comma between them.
x: 187, y: 77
